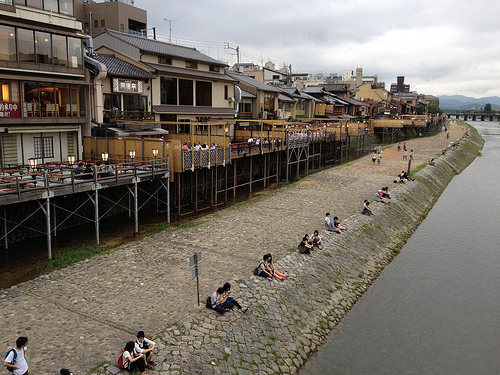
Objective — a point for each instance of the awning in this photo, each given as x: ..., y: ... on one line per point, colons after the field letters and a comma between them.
x: 41, y: 129
x: 284, y: 98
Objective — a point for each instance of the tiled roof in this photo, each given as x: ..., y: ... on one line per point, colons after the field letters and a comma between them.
x: 190, y: 72
x: 162, y: 48
x: 314, y: 90
x: 285, y: 98
x: 252, y: 81
x: 118, y: 67
x: 245, y: 94
x: 186, y: 109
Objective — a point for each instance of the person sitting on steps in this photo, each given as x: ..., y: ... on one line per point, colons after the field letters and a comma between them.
x: 305, y: 247
x: 231, y: 300
x: 147, y: 347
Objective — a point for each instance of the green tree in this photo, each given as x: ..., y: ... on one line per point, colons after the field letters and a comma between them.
x: 487, y: 108
x: 434, y: 109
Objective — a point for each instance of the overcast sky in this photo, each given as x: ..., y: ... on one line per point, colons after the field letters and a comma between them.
x: 442, y: 47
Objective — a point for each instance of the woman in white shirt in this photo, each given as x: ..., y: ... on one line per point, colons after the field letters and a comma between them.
x: 131, y: 361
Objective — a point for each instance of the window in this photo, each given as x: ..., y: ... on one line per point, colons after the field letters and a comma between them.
x: 5, y: 92
x: 112, y: 102
x: 87, y: 27
x: 43, y: 48
x: 276, y: 76
x: 8, y: 46
x: 168, y: 89
x: 103, y: 23
x: 164, y: 60
x: 192, y: 64
x: 269, y: 102
x: 184, y: 127
x: 214, y: 68
x: 134, y: 102
x: 75, y: 53
x: 8, y: 2
x: 34, y: 3
x: 50, y: 5
x: 185, y: 92
x: 59, y: 50
x: 225, y: 92
x: 203, y: 93
x: 63, y: 103
x: 47, y: 100
x: 44, y: 147
x: 66, y: 7
x: 96, y: 23
x: 122, y: 28
x: 26, y: 42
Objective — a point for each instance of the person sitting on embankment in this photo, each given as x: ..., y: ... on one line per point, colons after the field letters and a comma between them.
x: 304, y: 247
x: 378, y: 198
x: 367, y: 210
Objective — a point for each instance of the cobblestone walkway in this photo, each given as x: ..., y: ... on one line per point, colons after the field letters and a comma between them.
x: 81, y: 316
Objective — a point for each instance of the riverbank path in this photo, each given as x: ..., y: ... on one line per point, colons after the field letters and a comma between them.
x: 81, y: 316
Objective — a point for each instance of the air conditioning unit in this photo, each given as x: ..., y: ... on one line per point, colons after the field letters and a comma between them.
x: 279, y: 113
x: 230, y: 99
x: 264, y: 115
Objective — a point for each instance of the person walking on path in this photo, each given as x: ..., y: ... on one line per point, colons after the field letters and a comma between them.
x: 411, y: 154
x: 405, y: 155
x: 379, y: 157
x: 374, y: 157
x: 404, y: 146
x: 448, y: 135
x: 16, y: 357
x: 399, y: 146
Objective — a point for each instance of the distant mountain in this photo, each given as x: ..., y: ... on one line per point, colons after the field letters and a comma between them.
x: 460, y: 102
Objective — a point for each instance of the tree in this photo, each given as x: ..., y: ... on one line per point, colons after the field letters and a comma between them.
x: 487, y: 108
x: 434, y: 109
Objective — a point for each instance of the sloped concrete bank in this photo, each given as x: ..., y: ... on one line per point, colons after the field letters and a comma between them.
x: 289, y: 320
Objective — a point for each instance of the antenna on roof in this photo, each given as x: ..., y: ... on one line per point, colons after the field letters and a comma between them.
x: 170, y: 27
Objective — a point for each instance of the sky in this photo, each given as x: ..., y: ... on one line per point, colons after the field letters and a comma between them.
x: 442, y: 47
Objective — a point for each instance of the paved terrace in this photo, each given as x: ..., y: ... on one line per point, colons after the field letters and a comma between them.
x: 81, y: 316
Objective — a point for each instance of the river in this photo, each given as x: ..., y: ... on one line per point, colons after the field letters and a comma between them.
x: 436, y: 308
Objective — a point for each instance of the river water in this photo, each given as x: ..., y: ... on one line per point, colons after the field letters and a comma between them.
x: 436, y: 308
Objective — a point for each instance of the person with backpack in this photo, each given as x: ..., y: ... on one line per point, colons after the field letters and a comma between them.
x: 130, y: 361
x: 231, y: 300
x: 15, y: 359
x: 146, y: 347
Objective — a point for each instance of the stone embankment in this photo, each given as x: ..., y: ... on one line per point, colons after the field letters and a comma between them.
x: 82, y: 316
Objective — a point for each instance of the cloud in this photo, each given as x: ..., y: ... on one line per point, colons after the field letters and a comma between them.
x: 445, y: 46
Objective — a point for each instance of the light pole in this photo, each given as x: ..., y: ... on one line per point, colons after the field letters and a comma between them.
x: 71, y: 159
x: 155, y: 154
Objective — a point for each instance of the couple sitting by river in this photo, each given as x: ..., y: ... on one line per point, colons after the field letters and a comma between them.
x: 267, y: 269
x: 221, y: 301
x: 333, y: 224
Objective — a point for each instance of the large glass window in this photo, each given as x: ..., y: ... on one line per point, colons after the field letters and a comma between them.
x: 112, y: 102
x: 203, y: 93
x: 43, y: 48
x: 81, y: 101
x: 50, y: 5
x: 59, y: 50
x: 26, y: 44
x: 185, y: 92
x: 31, y: 102
x: 66, y: 7
x: 34, y: 3
x: 75, y: 52
x: 168, y: 90
x: 134, y: 103
x: 8, y: 45
x: 62, y: 101
x: 47, y: 100
x: 21, y: 2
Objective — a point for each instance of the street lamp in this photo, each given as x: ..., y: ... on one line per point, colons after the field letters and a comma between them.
x: 131, y: 153
x: 105, y: 156
x: 32, y: 163
x: 155, y: 154
x: 71, y: 159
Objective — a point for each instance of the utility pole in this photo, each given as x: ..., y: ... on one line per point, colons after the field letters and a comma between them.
x: 170, y: 28
x: 237, y: 49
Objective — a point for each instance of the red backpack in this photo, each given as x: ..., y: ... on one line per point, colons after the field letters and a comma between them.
x: 120, y: 360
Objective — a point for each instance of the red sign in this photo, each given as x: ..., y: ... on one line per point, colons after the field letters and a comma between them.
x: 10, y: 110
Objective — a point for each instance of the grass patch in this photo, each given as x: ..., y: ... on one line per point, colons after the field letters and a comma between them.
x: 165, y: 227
x: 417, y: 169
x: 70, y: 256
x: 291, y: 249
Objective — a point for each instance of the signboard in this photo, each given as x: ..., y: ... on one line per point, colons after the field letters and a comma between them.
x: 195, y: 264
x: 10, y: 110
x: 127, y: 86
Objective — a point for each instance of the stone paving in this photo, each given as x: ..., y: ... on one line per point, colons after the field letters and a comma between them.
x: 80, y: 317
